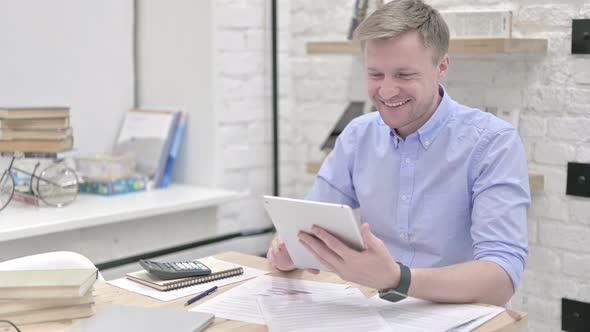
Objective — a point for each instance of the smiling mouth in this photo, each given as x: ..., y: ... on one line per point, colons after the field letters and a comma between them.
x: 395, y: 104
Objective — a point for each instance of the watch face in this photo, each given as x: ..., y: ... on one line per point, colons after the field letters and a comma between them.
x: 392, y: 296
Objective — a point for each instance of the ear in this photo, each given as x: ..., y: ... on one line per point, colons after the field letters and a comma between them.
x: 443, y: 66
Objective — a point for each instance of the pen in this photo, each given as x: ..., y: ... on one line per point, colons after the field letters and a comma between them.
x: 201, y: 295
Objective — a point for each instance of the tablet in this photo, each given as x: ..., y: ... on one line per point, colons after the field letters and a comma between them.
x: 293, y: 215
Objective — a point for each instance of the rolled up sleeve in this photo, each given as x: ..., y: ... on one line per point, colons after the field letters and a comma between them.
x: 334, y: 181
x: 501, y: 198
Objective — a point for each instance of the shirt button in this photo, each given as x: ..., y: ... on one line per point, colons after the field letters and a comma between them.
x: 427, y: 142
x: 402, y: 236
x: 408, y: 161
x: 404, y: 198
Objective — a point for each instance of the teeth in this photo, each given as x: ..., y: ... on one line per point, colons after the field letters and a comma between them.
x: 396, y: 104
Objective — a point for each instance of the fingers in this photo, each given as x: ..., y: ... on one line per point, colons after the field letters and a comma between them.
x: 313, y: 271
x: 329, y: 263
x: 370, y: 239
x: 332, y: 242
x: 279, y: 256
x: 319, y: 249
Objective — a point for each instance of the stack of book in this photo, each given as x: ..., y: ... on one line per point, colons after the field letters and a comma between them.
x: 36, y: 296
x: 35, y: 129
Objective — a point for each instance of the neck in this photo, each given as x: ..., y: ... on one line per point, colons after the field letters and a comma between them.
x: 413, y: 127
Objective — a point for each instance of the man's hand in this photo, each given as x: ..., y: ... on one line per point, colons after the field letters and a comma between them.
x: 373, y: 267
x: 278, y: 256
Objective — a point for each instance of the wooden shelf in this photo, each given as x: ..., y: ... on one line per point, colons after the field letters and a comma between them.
x: 456, y: 47
x: 536, y: 180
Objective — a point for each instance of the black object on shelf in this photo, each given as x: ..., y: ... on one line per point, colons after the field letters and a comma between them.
x: 354, y: 109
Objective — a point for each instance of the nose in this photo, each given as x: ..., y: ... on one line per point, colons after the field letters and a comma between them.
x: 388, y: 89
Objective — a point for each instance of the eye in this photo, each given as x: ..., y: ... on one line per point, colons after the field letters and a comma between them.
x: 406, y: 75
x: 375, y: 75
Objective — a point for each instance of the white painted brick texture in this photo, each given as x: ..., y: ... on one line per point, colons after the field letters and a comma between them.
x: 551, y: 91
x: 243, y: 104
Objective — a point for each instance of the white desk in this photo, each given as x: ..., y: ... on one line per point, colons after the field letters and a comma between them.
x: 20, y: 221
x: 113, y: 227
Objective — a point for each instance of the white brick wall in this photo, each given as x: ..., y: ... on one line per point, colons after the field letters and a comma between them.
x: 551, y: 91
x: 243, y: 105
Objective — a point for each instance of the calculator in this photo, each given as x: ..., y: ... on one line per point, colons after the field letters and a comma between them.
x: 175, y: 270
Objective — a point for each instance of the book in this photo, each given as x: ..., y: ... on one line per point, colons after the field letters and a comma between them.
x: 50, y: 314
x: 26, y: 198
x: 359, y: 14
x: 37, y: 145
x: 51, y: 134
x: 33, y: 112
x: 42, y: 284
x: 45, y: 123
x: 479, y: 23
x: 353, y: 20
x: 148, y: 135
x: 219, y: 270
x: 178, y: 134
x: 17, y: 306
x: 121, y: 186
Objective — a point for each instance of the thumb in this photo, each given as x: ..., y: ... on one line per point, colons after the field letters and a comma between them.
x: 370, y: 239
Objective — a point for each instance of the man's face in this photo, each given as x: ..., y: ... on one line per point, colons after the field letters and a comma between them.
x: 403, y: 81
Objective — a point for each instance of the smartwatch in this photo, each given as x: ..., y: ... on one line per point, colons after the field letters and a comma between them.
x: 400, y: 292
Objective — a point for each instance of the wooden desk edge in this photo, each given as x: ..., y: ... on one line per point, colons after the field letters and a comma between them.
x: 105, y: 295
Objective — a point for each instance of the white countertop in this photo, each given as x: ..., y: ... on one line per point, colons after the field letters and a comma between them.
x: 18, y: 220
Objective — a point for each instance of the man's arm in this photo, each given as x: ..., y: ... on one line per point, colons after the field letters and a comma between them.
x: 479, y: 281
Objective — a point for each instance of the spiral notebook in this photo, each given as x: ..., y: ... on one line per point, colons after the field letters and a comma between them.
x: 219, y: 270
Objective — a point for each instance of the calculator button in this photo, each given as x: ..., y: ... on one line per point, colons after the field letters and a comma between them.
x: 193, y: 265
x: 187, y: 266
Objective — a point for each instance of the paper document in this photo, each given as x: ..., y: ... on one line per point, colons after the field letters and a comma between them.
x: 344, y: 310
x: 136, y: 287
x: 415, y: 315
x: 240, y: 303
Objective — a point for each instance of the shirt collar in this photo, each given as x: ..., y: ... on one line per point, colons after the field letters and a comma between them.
x: 430, y: 130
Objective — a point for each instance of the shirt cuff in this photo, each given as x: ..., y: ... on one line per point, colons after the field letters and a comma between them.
x: 510, y: 266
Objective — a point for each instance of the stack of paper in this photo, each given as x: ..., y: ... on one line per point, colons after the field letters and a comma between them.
x: 298, y: 305
x: 344, y: 310
x: 414, y: 315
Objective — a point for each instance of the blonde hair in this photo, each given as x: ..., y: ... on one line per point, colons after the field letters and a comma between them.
x: 399, y: 16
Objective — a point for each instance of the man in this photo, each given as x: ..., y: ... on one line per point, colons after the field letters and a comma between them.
x: 443, y: 187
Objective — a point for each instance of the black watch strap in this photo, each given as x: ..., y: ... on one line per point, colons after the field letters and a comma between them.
x: 401, y: 291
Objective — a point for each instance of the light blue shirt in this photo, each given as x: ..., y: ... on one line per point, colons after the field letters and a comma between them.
x: 457, y: 190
